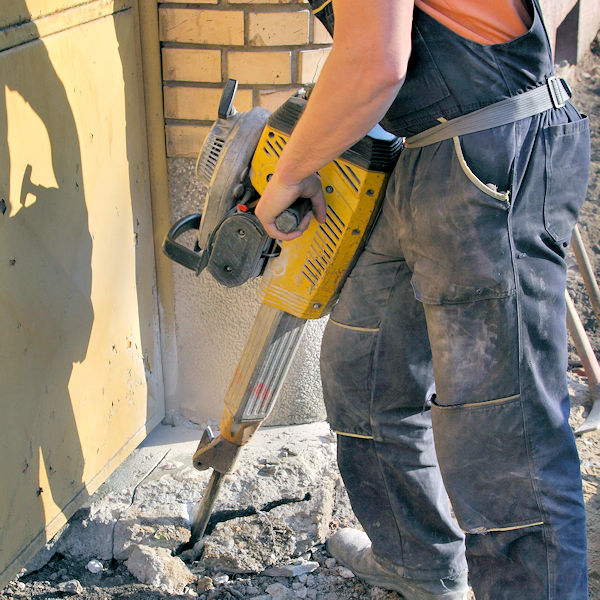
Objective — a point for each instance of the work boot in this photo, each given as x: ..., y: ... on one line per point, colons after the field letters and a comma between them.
x: 352, y: 548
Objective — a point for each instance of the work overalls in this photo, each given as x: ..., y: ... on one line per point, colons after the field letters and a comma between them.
x: 454, y: 316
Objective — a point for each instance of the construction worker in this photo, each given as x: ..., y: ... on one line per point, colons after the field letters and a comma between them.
x: 451, y: 327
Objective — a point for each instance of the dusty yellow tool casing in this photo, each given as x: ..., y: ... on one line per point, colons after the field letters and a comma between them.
x: 304, y: 279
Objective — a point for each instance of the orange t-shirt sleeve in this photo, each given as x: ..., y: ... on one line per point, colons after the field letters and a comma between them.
x: 481, y: 21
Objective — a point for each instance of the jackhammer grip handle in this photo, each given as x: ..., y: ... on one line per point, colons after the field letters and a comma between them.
x: 178, y: 252
x: 291, y: 217
x: 226, y: 108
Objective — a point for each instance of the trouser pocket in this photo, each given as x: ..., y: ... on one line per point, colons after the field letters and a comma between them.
x: 454, y: 218
x: 347, y: 354
x: 567, y: 159
x: 483, y: 455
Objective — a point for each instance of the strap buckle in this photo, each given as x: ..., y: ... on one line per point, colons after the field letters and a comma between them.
x: 559, y: 91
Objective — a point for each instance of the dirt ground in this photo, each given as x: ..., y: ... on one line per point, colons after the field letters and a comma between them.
x: 66, y: 578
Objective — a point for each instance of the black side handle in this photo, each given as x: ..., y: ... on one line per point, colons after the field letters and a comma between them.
x: 291, y: 217
x: 180, y: 253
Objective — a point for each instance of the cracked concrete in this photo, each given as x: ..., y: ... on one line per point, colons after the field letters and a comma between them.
x: 143, y: 513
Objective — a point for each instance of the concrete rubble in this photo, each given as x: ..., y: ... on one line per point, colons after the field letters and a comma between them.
x: 158, y: 568
x: 146, y: 521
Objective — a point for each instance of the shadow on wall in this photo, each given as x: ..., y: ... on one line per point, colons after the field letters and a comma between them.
x: 81, y: 382
x: 46, y: 312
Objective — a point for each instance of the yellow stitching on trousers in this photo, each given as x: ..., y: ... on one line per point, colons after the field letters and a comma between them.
x: 322, y: 7
x: 355, y: 328
x: 354, y: 435
x: 474, y: 404
x: 510, y: 528
x: 486, y: 189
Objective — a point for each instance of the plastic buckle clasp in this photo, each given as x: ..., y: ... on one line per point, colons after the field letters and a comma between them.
x: 559, y: 91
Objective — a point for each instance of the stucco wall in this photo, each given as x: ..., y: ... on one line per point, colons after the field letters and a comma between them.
x: 272, y: 48
x: 212, y: 325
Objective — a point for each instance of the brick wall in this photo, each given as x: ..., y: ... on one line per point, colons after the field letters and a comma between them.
x: 272, y: 47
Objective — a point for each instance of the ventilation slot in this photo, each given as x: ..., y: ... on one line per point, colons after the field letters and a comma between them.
x: 336, y: 225
x: 280, y: 143
x: 349, y: 175
x: 310, y: 279
x: 207, y: 161
x: 330, y: 239
x: 270, y: 150
x: 324, y: 244
x: 322, y: 250
x: 274, y: 145
x: 315, y: 269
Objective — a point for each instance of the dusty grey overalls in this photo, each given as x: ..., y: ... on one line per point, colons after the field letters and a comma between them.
x: 445, y: 357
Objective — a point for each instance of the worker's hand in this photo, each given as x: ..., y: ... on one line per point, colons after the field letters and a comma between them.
x: 278, y: 196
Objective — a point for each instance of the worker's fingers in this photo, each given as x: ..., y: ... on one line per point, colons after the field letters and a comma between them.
x: 319, y: 205
x: 277, y: 197
x: 303, y: 225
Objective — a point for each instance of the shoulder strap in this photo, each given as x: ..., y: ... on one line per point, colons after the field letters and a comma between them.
x: 554, y: 94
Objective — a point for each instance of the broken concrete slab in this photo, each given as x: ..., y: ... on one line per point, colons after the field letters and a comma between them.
x: 286, y: 483
x: 248, y: 545
x: 158, y: 568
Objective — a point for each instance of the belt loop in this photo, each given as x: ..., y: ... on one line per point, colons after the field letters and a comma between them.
x: 559, y: 91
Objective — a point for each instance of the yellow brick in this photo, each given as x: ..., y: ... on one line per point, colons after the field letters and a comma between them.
x: 260, y: 67
x: 278, y: 28
x: 222, y: 27
x: 320, y: 34
x: 310, y: 64
x: 273, y: 99
x: 185, y: 140
x: 191, y: 64
x: 200, y: 104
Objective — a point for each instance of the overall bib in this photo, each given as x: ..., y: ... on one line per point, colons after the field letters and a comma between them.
x: 444, y: 361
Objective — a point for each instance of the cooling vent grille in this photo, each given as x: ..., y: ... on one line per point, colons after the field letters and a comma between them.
x: 274, y: 144
x: 349, y: 175
x: 209, y: 157
x: 322, y: 250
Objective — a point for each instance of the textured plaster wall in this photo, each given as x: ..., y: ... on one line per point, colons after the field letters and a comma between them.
x: 213, y: 323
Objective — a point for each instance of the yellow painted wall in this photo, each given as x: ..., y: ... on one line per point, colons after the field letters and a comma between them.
x: 25, y: 10
x: 80, y: 370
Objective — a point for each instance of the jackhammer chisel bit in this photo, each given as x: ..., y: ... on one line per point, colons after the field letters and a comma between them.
x: 265, y: 360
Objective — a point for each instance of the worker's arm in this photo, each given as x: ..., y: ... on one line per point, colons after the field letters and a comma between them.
x: 359, y: 81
